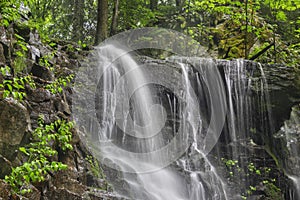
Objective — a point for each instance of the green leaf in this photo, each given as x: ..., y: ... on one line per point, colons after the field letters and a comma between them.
x: 52, y: 44
x: 23, y: 150
x: 281, y: 16
x: 9, y: 87
x: 20, y: 54
x: 19, y: 37
x: 6, y: 93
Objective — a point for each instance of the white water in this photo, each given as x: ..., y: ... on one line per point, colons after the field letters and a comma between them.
x: 150, y: 180
x: 197, y: 191
x: 296, y: 182
x: 127, y: 102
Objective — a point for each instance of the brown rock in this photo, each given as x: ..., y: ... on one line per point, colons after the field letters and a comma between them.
x: 4, y: 190
x: 35, y: 194
x: 14, y: 121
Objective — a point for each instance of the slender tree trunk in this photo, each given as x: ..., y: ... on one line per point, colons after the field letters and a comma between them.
x: 178, y: 3
x: 102, y: 18
x: 246, y: 32
x: 262, y: 51
x: 153, y: 4
x: 78, y: 20
x: 114, y: 23
x: 274, y: 45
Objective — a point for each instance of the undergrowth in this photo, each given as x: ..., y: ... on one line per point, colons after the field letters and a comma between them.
x: 46, y: 139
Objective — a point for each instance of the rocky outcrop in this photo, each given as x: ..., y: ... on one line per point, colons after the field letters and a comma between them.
x: 18, y: 118
x: 289, y: 138
x: 284, y: 88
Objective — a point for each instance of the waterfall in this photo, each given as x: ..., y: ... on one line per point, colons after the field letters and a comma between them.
x: 135, y: 130
x: 138, y: 121
x: 164, y: 139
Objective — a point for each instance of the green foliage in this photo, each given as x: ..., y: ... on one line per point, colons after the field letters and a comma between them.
x: 272, y: 191
x: 58, y: 85
x: 45, y: 59
x: 95, y: 168
x: 232, y: 166
x: 244, y: 28
x: 98, y: 172
x: 64, y: 19
x: 4, y: 70
x: 16, y: 87
x: 10, y: 11
x: 20, y: 52
x: 261, y: 174
x: 136, y: 14
x: 253, y: 169
x: 45, y: 140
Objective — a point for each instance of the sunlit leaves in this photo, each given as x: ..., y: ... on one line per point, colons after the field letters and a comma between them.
x: 16, y: 87
x: 40, y: 152
x: 280, y: 15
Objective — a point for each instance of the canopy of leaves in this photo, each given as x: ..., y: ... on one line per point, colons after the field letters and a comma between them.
x: 229, y: 28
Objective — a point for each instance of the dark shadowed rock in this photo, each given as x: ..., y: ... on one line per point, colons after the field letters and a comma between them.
x: 42, y: 72
x: 4, y: 190
x: 22, y: 30
x: 5, y: 166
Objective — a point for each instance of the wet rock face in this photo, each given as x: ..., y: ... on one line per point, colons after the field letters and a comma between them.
x: 289, y: 138
x: 284, y: 87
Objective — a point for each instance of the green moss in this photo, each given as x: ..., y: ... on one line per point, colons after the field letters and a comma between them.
x: 273, y: 192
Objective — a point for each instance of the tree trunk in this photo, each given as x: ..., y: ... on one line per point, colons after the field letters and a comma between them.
x: 153, y: 4
x: 178, y: 3
x: 102, y: 18
x: 246, y: 32
x: 262, y: 51
x: 78, y: 20
x: 114, y: 23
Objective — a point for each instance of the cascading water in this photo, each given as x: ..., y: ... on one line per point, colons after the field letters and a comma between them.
x: 160, y: 141
x: 143, y: 172
x: 132, y: 119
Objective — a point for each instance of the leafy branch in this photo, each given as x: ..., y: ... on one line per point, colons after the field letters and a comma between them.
x: 16, y: 87
x: 57, y: 86
x: 40, y: 153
